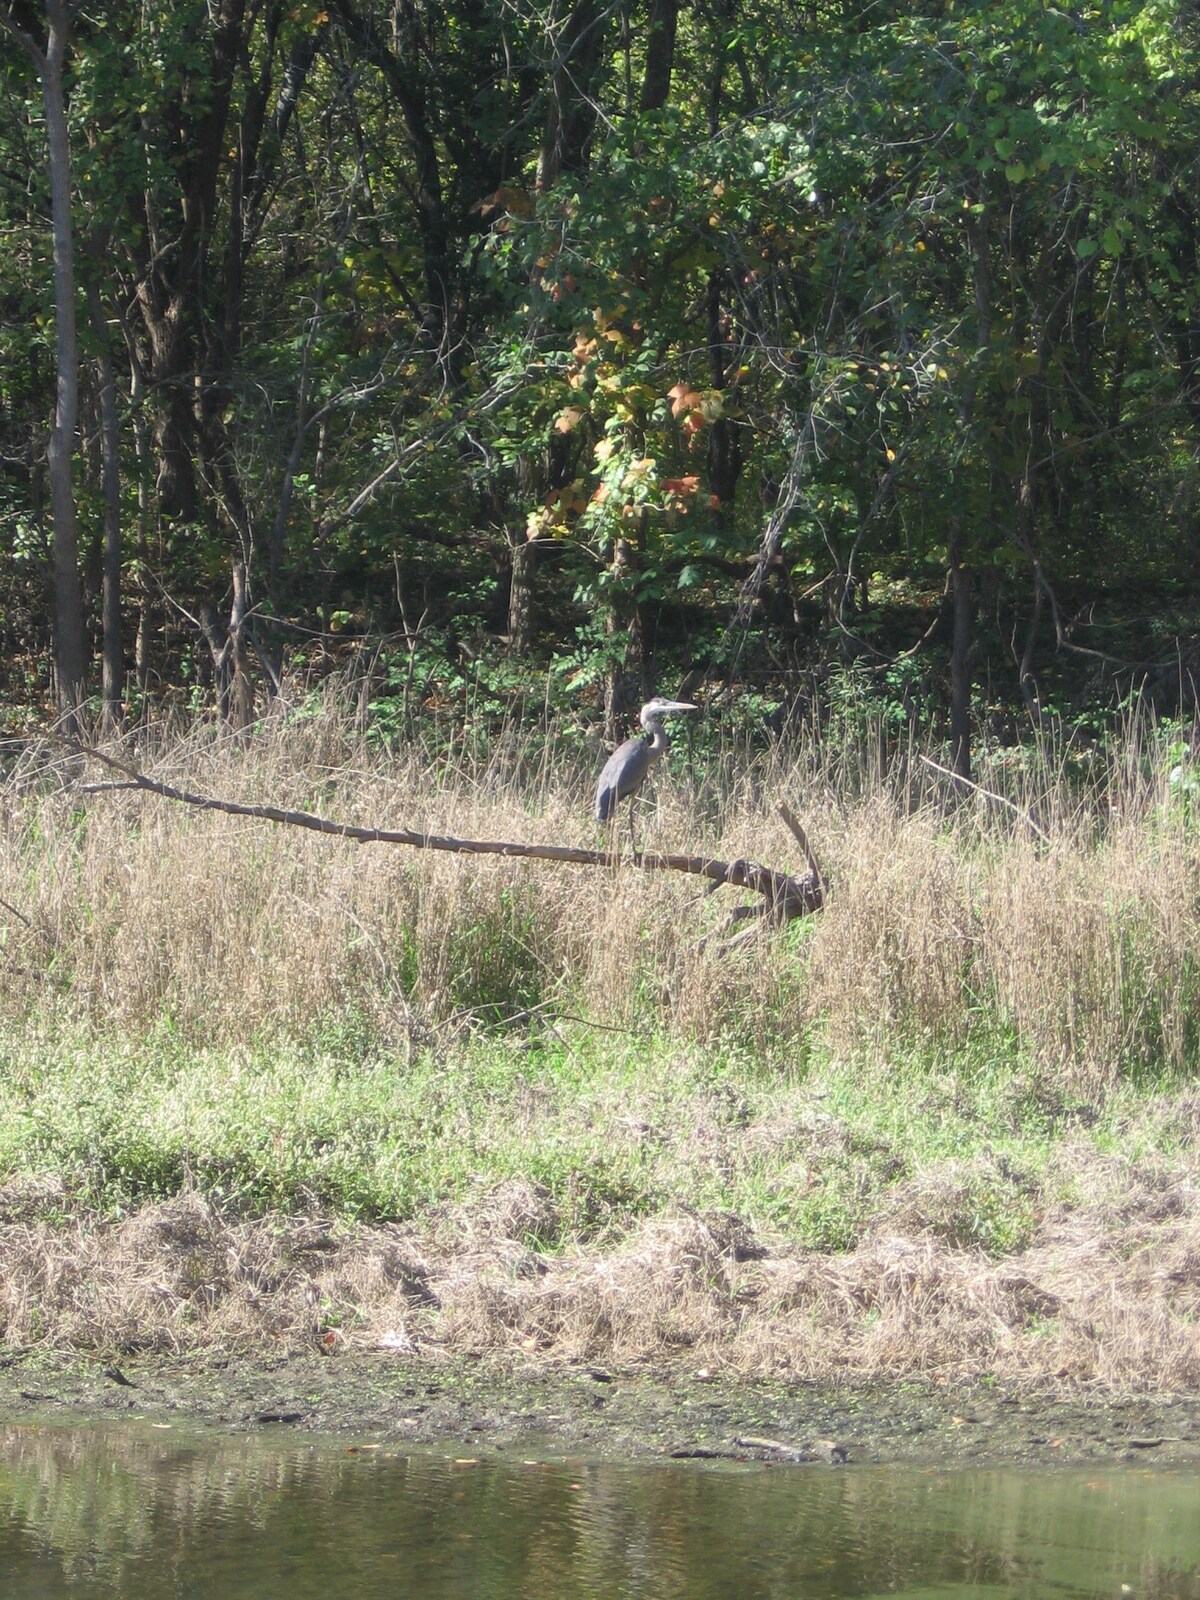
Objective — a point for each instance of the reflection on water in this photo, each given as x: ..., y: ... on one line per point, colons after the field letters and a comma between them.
x: 135, y: 1511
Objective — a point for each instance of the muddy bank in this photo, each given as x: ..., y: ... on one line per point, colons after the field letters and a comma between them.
x: 474, y: 1409
x: 691, y: 1336
x: 1095, y: 1305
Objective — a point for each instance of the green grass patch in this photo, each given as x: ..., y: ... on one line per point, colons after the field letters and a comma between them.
x: 607, y: 1129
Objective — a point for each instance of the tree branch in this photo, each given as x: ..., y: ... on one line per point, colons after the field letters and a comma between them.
x: 786, y: 896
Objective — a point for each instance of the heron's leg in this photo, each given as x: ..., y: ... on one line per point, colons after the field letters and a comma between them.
x: 610, y: 833
x: 632, y: 829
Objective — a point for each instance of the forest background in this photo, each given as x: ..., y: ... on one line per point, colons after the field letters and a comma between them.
x: 813, y: 349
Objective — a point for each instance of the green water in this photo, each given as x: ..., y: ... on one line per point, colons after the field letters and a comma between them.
x: 139, y: 1512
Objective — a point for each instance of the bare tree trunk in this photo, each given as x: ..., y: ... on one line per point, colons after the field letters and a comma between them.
x: 112, y: 653
x: 69, y: 655
x: 231, y: 673
x: 1025, y: 677
x: 145, y: 622
x: 959, y: 575
x: 398, y: 63
x: 571, y: 117
x: 171, y: 262
x: 660, y: 54
x: 520, y: 599
x: 630, y: 679
x: 963, y: 610
x: 68, y: 599
x: 243, y: 687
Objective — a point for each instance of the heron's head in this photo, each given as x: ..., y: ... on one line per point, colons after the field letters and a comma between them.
x: 661, y: 707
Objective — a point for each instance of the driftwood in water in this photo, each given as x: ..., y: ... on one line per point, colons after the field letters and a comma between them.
x: 784, y: 896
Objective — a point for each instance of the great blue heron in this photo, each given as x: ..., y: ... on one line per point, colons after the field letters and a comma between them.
x: 625, y: 770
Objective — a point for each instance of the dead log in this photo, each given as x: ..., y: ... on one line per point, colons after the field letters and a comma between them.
x: 785, y: 895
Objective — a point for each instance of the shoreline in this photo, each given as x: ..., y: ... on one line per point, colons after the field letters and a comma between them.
x: 478, y: 1410
x: 690, y: 1334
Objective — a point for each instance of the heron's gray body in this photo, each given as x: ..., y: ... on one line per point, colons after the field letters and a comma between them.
x: 625, y: 770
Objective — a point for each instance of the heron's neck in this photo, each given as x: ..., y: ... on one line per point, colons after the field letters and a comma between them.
x: 658, y: 734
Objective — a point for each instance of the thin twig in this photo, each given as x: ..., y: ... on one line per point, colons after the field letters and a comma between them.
x: 801, y: 838
x: 990, y: 794
x: 39, y: 933
x: 12, y: 911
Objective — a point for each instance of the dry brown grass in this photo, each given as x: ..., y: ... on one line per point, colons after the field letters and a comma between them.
x: 131, y: 908
x: 1098, y: 1297
x: 149, y: 909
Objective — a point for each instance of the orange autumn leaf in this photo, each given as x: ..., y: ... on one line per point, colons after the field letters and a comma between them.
x: 683, y: 398
x: 505, y: 199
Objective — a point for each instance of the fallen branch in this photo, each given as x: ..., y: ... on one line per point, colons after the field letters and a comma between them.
x: 785, y: 895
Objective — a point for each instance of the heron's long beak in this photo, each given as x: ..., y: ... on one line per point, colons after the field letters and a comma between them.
x: 677, y: 705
